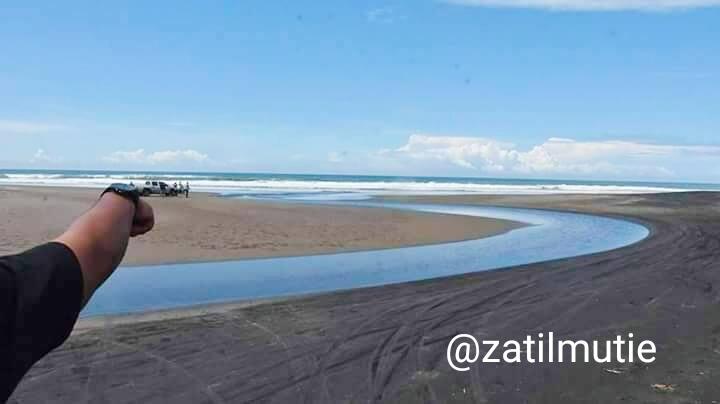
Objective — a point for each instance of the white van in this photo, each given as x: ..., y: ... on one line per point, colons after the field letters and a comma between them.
x: 156, y: 187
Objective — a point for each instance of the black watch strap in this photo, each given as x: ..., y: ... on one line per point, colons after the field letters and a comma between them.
x: 126, y: 191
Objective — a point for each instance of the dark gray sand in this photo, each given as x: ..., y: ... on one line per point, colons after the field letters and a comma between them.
x: 388, y: 343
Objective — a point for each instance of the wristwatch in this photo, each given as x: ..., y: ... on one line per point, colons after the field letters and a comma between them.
x: 126, y: 191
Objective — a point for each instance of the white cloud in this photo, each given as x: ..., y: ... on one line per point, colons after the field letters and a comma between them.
x: 554, y: 156
x: 140, y: 156
x: 41, y: 156
x: 385, y: 15
x: 593, y: 5
x: 26, y: 127
x: 337, y: 157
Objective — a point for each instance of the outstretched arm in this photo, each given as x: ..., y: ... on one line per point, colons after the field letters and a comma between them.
x: 43, y: 290
x: 100, y: 237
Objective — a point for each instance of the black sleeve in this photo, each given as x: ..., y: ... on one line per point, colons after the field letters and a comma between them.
x: 40, y: 300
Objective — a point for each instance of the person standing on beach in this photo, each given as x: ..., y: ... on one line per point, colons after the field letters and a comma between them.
x: 43, y: 290
x: 187, y: 189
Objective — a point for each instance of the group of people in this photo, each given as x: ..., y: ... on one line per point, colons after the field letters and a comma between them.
x: 182, y: 189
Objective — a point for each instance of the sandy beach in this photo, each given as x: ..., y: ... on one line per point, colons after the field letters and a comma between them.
x: 208, y: 228
x: 387, y: 344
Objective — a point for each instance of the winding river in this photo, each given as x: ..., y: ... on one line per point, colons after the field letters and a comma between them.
x: 550, y: 235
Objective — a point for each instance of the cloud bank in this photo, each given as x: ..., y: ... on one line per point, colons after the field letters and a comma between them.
x: 141, y: 157
x: 592, y: 5
x: 555, y: 156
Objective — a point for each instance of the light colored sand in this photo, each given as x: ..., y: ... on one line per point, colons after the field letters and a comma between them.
x: 207, y: 227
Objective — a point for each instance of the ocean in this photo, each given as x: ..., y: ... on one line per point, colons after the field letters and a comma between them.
x: 308, y: 186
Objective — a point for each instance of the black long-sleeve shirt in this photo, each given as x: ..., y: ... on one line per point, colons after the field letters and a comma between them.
x: 40, y: 300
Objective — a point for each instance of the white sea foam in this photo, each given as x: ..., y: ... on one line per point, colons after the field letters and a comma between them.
x: 278, y: 186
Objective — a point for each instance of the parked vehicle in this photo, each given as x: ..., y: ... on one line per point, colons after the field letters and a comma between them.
x: 156, y: 188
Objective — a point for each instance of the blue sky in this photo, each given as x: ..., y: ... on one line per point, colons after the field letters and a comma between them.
x: 519, y: 88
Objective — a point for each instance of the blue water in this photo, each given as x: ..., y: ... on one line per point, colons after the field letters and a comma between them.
x: 551, y: 235
x: 264, y: 183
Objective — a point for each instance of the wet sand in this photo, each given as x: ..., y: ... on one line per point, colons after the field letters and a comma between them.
x: 387, y: 344
x: 208, y: 228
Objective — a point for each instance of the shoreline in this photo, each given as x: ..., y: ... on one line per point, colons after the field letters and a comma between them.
x: 388, y: 343
x: 91, y: 323
x: 208, y: 228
